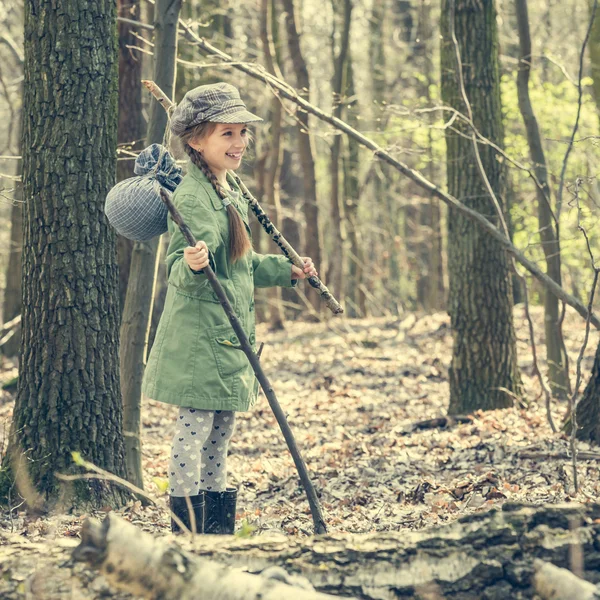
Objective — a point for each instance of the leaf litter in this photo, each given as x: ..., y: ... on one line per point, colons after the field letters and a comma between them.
x: 353, y: 392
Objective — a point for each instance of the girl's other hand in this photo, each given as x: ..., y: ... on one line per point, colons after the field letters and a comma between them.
x: 196, y: 257
x: 308, y: 270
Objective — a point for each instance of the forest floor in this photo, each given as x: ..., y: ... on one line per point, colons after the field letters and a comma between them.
x: 353, y: 391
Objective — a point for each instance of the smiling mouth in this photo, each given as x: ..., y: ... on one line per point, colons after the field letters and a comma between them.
x: 234, y: 155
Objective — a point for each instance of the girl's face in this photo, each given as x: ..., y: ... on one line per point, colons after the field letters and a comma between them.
x: 224, y: 147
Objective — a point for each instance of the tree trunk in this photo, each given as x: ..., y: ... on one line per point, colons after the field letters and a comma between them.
x: 337, y: 226
x: 588, y: 407
x: 131, y: 128
x: 483, y: 373
x: 12, y: 291
x: 68, y: 392
x: 483, y: 556
x: 138, y: 304
x: 557, y: 373
x: 594, y: 50
x: 311, y: 210
x: 275, y: 154
x: 355, y: 296
x: 430, y: 280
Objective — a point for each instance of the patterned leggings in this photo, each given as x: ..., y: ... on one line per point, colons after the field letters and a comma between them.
x: 199, y: 451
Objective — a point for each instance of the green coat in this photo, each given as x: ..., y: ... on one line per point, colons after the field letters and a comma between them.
x: 193, y: 362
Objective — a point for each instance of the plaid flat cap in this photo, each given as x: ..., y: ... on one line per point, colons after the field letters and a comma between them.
x: 215, y: 103
x: 134, y: 206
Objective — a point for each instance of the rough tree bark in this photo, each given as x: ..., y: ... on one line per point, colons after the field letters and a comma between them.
x: 557, y: 373
x: 311, y: 210
x: 483, y: 373
x: 68, y: 395
x: 483, y: 556
x: 138, y: 303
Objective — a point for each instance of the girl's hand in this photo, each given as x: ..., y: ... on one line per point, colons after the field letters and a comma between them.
x: 196, y: 257
x: 308, y: 271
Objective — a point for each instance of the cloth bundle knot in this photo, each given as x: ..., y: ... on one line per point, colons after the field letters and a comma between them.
x: 134, y: 206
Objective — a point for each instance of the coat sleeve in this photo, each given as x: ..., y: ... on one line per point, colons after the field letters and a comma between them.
x: 201, y: 221
x: 272, y: 270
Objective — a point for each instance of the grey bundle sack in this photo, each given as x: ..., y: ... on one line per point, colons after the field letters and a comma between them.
x: 133, y: 206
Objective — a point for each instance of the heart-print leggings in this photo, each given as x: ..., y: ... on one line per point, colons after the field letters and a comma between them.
x: 199, y: 451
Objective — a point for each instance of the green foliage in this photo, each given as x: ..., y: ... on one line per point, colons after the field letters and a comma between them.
x: 246, y: 530
x: 555, y: 105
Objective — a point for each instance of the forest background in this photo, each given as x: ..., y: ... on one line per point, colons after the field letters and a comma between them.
x: 386, y: 246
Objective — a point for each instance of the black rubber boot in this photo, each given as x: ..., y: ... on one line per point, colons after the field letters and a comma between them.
x: 219, y: 513
x: 179, y: 507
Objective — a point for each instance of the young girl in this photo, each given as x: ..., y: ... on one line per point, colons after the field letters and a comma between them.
x: 195, y: 361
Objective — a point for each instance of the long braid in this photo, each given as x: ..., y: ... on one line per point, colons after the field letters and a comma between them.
x: 239, y: 243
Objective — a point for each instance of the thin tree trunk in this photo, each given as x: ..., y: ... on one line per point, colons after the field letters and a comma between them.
x: 12, y: 292
x: 68, y: 395
x: 483, y: 373
x: 430, y: 283
x: 131, y: 129
x: 337, y: 226
x: 138, y: 304
x: 275, y: 155
x: 311, y: 209
x: 356, y: 301
x: 557, y: 374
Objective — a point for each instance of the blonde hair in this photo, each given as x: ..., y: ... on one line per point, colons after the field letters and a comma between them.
x: 239, y: 242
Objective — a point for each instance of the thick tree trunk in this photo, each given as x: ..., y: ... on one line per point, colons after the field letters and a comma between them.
x: 131, y: 129
x: 138, y: 304
x: 483, y: 373
x: 311, y: 211
x: 482, y: 556
x: 588, y: 407
x: 557, y: 373
x: 68, y: 395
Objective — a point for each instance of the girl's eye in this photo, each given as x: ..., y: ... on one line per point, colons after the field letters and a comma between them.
x: 244, y: 132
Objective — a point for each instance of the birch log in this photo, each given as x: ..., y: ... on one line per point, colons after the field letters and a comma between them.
x: 482, y: 556
x: 554, y: 583
x: 136, y: 562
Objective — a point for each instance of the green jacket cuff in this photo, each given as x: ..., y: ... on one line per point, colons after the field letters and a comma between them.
x: 272, y: 270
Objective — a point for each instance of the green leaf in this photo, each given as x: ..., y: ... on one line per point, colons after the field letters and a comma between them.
x: 78, y: 459
x: 161, y: 483
x: 246, y: 529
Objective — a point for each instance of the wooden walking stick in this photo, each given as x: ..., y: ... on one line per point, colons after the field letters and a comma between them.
x: 313, y: 501
x: 262, y: 217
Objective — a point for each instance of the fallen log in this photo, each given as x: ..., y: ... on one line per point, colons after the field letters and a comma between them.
x: 482, y: 556
x: 135, y: 562
x: 554, y: 583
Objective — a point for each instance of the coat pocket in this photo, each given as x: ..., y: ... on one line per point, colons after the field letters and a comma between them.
x: 225, y: 346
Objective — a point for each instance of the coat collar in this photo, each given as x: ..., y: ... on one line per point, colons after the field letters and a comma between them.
x: 216, y: 202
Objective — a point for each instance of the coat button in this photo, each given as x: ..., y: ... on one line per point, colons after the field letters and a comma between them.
x: 252, y: 338
x: 234, y: 340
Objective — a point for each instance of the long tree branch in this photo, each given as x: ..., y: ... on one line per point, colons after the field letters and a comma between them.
x: 286, y: 91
